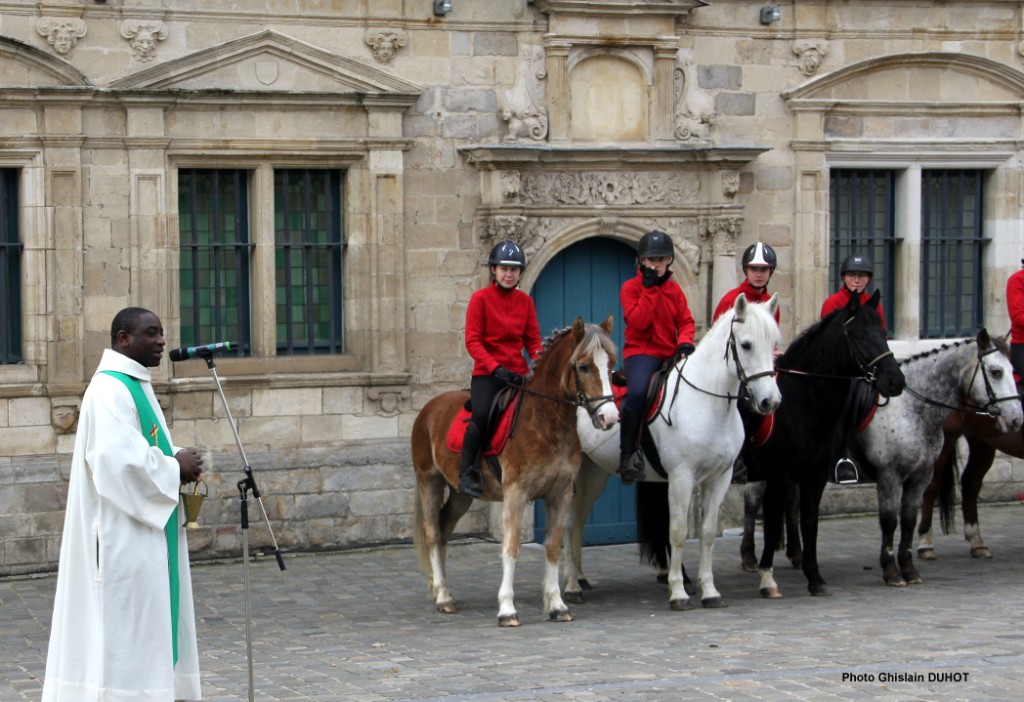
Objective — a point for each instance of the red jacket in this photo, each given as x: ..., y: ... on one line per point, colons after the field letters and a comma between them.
x: 657, y: 318
x: 499, y: 325
x: 1015, y: 306
x: 748, y: 291
x: 839, y: 299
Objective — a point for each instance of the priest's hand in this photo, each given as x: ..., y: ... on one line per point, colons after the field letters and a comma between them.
x: 190, y: 463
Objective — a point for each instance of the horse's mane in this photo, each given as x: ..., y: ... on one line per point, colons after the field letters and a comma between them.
x: 594, y: 338
x: 998, y: 341
x: 725, y: 322
x: 812, y: 335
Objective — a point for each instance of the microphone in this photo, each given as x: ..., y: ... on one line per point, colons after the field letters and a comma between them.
x: 187, y: 352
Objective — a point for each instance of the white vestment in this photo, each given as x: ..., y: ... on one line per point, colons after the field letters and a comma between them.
x: 111, y: 634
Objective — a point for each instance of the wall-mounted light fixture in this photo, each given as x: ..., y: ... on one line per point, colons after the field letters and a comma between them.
x: 442, y: 7
x: 769, y: 14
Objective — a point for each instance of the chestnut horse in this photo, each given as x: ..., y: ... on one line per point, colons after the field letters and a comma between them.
x: 983, y: 437
x: 539, y: 461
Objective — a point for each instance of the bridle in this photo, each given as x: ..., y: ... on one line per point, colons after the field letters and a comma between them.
x: 741, y: 374
x: 866, y: 367
x: 990, y: 409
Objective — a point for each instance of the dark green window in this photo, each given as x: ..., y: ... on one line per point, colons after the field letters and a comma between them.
x: 863, y: 220
x: 213, y: 210
x: 951, y: 241
x: 308, y: 246
x: 10, y: 269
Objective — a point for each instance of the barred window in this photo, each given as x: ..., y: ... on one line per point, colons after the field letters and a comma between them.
x: 215, y: 257
x: 951, y: 242
x: 10, y: 269
x: 863, y: 221
x: 308, y: 246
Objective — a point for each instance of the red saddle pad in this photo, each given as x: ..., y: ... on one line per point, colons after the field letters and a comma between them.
x: 499, y: 436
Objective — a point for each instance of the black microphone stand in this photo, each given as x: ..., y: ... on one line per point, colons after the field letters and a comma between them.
x: 246, y: 485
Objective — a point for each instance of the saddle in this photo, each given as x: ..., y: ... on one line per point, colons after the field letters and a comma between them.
x: 653, y: 401
x: 502, y: 418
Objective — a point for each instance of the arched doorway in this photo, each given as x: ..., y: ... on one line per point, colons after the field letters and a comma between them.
x: 584, y: 280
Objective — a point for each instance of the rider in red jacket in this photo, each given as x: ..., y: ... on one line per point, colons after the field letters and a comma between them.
x: 759, y: 262
x: 856, y: 273
x: 1015, y: 307
x: 658, y: 326
x: 501, y: 322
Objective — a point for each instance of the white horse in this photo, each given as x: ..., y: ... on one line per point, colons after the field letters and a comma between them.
x: 698, y: 432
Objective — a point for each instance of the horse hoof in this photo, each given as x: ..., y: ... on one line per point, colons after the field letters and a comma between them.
x: 446, y: 607
x: 508, y: 620
x: 820, y: 591
x: 750, y: 566
x: 980, y: 552
x: 713, y: 603
x: 895, y: 582
x: 771, y: 593
x: 585, y: 584
x: 914, y: 580
x: 573, y: 597
x: 681, y: 605
x: 560, y: 615
x: 928, y: 554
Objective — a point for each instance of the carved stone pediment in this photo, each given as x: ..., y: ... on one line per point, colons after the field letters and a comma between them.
x: 23, y: 65
x: 254, y: 62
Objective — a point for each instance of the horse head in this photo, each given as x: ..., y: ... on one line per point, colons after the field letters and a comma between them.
x: 990, y: 385
x: 869, y: 348
x: 575, y: 368
x: 753, y: 338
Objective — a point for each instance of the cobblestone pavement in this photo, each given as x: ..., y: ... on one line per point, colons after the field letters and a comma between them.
x: 359, y: 626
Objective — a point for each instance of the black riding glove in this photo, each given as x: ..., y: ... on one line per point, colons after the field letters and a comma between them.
x: 649, y: 277
x: 684, y: 349
x: 506, y: 376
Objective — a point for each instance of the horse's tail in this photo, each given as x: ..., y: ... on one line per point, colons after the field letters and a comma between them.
x: 947, y: 491
x: 652, y: 522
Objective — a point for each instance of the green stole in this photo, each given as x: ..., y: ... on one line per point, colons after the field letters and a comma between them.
x: 147, y: 418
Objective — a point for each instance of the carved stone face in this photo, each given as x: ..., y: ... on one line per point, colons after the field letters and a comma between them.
x: 144, y: 42
x: 63, y: 40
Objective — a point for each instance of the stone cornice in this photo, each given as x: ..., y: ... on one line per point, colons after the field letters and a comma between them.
x: 911, y: 109
x: 621, y: 158
x: 618, y: 7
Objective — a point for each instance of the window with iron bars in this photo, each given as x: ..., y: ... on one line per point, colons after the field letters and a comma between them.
x: 215, y: 257
x: 308, y: 249
x: 862, y: 220
x: 951, y: 249
x: 10, y: 269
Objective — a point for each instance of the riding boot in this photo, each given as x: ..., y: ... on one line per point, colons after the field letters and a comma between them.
x: 470, y: 479
x: 631, y: 462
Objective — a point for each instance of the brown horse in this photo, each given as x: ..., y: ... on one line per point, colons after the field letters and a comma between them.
x: 983, y: 440
x: 539, y: 461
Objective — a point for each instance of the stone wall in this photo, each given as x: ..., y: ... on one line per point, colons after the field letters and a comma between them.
x: 494, y: 120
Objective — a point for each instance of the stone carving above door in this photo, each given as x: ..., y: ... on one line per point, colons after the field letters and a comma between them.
x: 608, y: 188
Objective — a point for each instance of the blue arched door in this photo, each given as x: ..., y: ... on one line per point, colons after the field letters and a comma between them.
x: 584, y: 280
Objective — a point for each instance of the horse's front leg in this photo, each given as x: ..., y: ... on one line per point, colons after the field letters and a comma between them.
x: 912, y: 495
x: 753, y: 496
x: 556, y: 508
x: 889, y: 491
x: 512, y: 522
x: 680, y: 492
x: 979, y: 460
x: 712, y: 495
x: 773, y: 506
x: 590, y: 484
x: 810, y: 505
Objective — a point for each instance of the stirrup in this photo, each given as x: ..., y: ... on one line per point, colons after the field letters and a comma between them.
x: 633, y: 469
x: 846, y: 472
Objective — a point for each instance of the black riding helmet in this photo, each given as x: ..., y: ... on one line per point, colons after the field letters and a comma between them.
x: 507, y: 253
x: 857, y: 263
x: 760, y: 254
x: 655, y: 244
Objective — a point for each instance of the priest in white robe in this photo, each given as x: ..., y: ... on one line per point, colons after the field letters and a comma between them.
x: 124, y: 570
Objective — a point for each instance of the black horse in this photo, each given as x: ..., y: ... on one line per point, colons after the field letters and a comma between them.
x: 817, y: 375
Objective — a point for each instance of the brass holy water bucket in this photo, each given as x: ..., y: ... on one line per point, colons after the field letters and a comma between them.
x: 193, y: 501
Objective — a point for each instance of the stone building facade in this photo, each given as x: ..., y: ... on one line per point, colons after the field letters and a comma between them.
x: 552, y: 122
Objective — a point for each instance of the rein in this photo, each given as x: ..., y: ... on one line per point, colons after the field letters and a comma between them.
x: 867, y: 369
